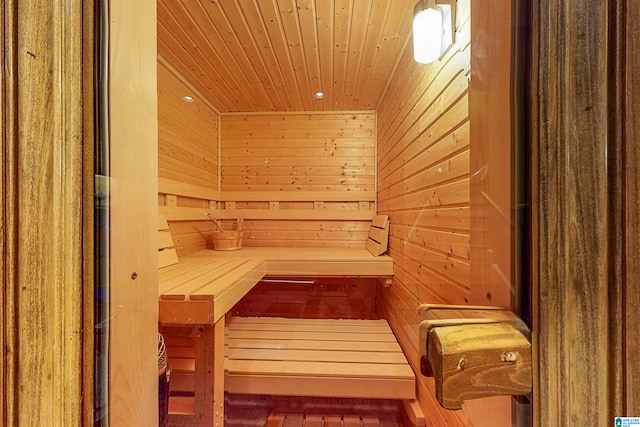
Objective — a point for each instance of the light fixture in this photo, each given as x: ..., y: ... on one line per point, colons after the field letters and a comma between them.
x: 188, y: 98
x: 433, y: 29
x: 319, y: 95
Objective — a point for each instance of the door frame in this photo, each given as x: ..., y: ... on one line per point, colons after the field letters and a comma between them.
x: 47, y: 116
x: 585, y: 235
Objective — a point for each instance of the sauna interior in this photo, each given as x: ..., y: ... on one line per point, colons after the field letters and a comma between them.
x: 242, y: 131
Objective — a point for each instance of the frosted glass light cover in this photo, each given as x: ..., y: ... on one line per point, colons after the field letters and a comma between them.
x: 427, y: 35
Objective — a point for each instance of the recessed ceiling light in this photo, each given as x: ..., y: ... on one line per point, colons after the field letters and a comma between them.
x: 188, y: 98
x: 319, y: 95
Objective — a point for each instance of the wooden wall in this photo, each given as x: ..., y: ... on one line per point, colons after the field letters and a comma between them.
x: 423, y: 185
x: 329, y: 155
x: 187, y: 132
x: 187, y: 151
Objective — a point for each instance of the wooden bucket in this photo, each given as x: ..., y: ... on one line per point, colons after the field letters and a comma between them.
x: 227, y: 240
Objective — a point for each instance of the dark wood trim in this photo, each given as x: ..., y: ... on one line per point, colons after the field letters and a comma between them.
x: 577, y: 268
x: 7, y: 112
x: 631, y: 167
x: 42, y: 138
x: 89, y: 72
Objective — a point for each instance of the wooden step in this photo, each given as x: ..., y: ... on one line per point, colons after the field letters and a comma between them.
x: 316, y: 357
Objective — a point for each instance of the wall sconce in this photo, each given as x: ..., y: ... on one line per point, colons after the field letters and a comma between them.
x: 433, y: 29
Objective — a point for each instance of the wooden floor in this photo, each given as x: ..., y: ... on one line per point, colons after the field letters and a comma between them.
x: 300, y: 420
x: 273, y: 411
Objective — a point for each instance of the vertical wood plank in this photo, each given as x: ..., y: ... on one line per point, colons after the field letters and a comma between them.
x: 90, y: 78
x: 133, y: 379
x: 631, y: 167
x: 41, y: 237
x: 492, y: 176
x: 577, y: 221
x: 423, y: 185
x: 6, y: 107
x: 218, y: 372
x: 491, y: 154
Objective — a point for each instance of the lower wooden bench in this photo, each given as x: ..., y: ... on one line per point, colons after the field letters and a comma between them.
x: 316, y: 357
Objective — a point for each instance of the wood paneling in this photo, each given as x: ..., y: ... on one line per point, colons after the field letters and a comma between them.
x: 41, y: 217
x: 187, y: 132
x: 323, y: 164
x: 306, y: 149
x: 274, y: 55
x: 133, y: 270
x: 187, y: 154
x: 423, y: 185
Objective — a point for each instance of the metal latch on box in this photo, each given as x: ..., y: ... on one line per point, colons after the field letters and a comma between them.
x: 474, y: 352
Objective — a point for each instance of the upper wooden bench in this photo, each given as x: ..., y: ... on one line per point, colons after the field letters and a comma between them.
x: 203, y: 286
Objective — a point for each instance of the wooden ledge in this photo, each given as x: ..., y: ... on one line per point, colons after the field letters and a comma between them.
x: 205, y: 285
x: 336, y: 262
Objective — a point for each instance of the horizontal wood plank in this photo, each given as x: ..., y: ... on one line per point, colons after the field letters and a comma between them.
x: 305, y: 335
x: 298, y: 196
x: 317, y: 356
x: 381, y: 346
x: 319, y: 369
x: 168, y: 186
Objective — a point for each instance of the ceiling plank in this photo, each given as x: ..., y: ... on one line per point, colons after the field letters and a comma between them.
x: 290, y: 23
x: 358, y: 35
x: 264, y: 45
x: 325, y: 13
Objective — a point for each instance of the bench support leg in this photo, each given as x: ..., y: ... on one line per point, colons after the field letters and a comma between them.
x: 412, y: 414
x: 208, y: 377
x: 217, y: 377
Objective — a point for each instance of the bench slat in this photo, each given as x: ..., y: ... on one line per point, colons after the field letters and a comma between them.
x: 377, y: 234
x: 192, y: 279
x: 250, y: 343
x: 380, y: 221
x: 167, y: 257
x: 310, y: 327
x: 326, y: 369
x: 318, y: 356
x: 162, y: 223
x: 319, y: 336
x: 309, y: 385
x: 164, y: 239
x: 281, y: 320
x: 186, y: 272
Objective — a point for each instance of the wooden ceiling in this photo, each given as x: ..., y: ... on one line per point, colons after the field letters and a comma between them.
x: 274, y: 55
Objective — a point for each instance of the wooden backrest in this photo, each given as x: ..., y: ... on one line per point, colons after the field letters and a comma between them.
x: 378, y: 235
x: 167, y: 254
